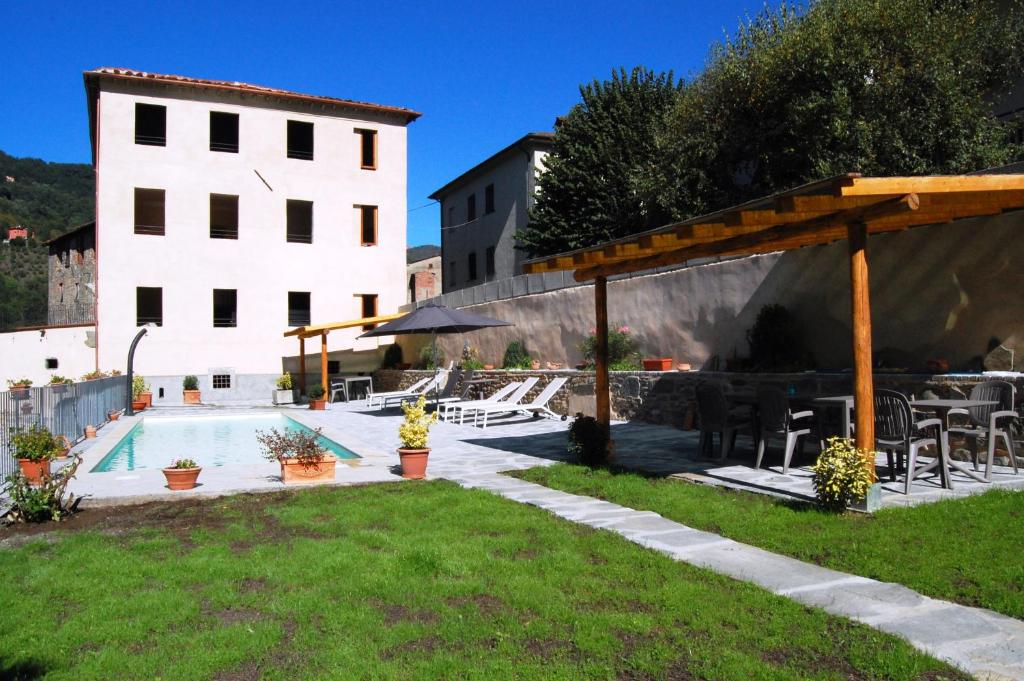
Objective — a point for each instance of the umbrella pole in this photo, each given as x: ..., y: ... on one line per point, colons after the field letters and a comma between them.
x: 437, y: 369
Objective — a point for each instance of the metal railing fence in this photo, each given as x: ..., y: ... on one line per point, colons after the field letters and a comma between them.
x: 65, y: 409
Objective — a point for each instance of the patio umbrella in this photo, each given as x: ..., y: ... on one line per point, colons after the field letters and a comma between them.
x: 435, y: 319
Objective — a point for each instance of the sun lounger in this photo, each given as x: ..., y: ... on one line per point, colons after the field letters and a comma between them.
x: 411, y: 395
x: 508, y: 404
x: 538, y: 406
x: 372, y: 397
x: 499, y: 394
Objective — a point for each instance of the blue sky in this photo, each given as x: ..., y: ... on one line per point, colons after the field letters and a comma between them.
x: 483, y: 74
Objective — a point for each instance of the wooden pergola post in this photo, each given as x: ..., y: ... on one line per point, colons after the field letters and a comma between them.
x: 601, y: 389
x: 302, y: 365
x: 323, y: 360
x: 863, y: 382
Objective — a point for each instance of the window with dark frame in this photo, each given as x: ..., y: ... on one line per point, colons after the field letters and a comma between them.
x: 298, y: 308
x: 300, y: 140
x: 223, y: 216
x: 151, y: 125
x: 224, y: 132
x: 489, y: 261
x: 333, y: 366
x: 369, y: 308
x: 299, y: 217
x: 221, y: 381
x: 488, y: 199
x: 472, y: 266
x: 471, y: 208
x: 149, y: 305
x: 367, y: 149
x: 225, y: 308
x: 367, y: 225
x: 149, y: 211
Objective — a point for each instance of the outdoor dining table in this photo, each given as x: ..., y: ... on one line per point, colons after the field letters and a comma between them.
x: 346, y: 383
x: 942, y: 409
x: 845, y: 403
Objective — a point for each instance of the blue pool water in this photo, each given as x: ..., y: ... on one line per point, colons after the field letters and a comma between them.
x: 209, y: 440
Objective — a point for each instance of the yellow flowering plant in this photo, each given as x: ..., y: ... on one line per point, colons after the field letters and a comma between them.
x: 840, y: 476
x: 413, y: 432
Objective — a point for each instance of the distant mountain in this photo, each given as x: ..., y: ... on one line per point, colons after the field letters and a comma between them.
x: 48, y: 198
x: 417, y: 253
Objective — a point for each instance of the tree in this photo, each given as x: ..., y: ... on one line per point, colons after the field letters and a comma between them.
x: 602, y: 154
x: 881, y: 87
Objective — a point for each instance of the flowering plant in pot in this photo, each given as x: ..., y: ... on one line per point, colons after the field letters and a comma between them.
x: 316, y: 397
x: 190, y: 390
x: 59, y: 384
x: 113, y: 414
x: 34, y: 448
x: 300, y: 454
x: 413, y: 433
x: 182, y: 474
x: 283, y: 394
x: 19, y: 387
x: 141, y: 392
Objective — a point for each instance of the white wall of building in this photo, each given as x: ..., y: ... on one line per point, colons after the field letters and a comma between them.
x: 23, y: 354
x: 187, y: 264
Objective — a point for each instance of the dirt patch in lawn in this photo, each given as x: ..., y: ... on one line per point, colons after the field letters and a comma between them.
x: 395, y: 613
x: 418, y: 646
x: 252, y: 585
x: 486, y: 604
x: 552, y: 648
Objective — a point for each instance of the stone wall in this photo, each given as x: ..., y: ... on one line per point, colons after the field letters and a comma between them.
x: 666, y: 397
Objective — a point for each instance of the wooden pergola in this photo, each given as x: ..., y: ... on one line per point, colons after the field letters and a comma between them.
x: 847, y: 207
x: 322, y: 330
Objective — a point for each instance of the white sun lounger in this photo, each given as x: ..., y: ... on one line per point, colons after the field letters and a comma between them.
x: 372, y: 397
x: 538, y: 406
x: 498, y: 394
x: 509, y: 404
x: 397, y: 399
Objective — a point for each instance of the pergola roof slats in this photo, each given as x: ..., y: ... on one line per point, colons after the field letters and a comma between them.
x: 310, y: 331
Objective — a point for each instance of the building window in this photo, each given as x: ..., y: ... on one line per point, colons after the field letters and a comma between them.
x: 451, y: 274
x: 300, y: 221
x: 333, y: 366
x: 149, y: 306
x: 224, y: 132
x: 472, y: 266
x: 225, y: 308
x: 488, y: 199
x: 300, y: 140
x: 298, y: 308
x: 367, y: 225
x: 151, y: 125
x: 52, y: 363
x: 149, y: 211
x: 471, y: 208
x: 489, y: 261
x: 369, y: 306
x: 223, y: 216
x: 367, y: 149
x: 221, y: 381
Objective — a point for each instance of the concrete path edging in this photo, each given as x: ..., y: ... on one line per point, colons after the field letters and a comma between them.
x: 981, y: 642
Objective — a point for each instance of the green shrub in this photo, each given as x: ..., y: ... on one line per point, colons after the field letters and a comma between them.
x: 776, y: 343
x: 139, y: 386
x: 19, y: 381
x: 56, y: 379
x: 47, y: 501
x: 284, y: 381
x: 316, y: 392
x: 392, y: 356
x: 588, y: 441
x: 427, y: 359
x: 470, y: 358
x: 183, y: 463
x: 35, y: 443
x: 190, y: 383
x: 516, y: 356
x: 840, y: 476
x: 622, y: 350
x: 303, y: 445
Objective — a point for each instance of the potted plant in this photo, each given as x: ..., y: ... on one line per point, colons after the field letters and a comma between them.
x: 317, y: 399
x: 659, y: 364
x: 93, y: 375
x: 190, y: 390
x: 19, y: 388
x: 90, y: 432
x: 63, y: 446
x: 283, y: 394
x: 516, y: 356
x: 300, y: 454
x: 35, y: 447
x: 138, y: 388
x: 113, y: 414
x: 413, y: 433
x: 59, y: 384
x: 182, y: 474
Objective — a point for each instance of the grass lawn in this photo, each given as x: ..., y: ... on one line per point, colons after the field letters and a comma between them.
x: 397, y: 581
x: 964, y: 550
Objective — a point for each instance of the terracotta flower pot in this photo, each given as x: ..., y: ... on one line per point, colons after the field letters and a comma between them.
x: 19, y: 391
x: 190, y: 396
x: 414, y: 463
x: 59, y: 388
x: 660, y: 364
x: 318, y: 405
x: 138, y: 405
x: 181, y: 478
x: 146, y: 397
x: 293, y: 471
x: 113, y: 415
x: 535, y: 364
x: 488, y: 367
x: 90, y: 432
x: 35, y: 471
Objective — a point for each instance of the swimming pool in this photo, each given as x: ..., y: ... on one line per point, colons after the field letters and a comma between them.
x: 209, y: 440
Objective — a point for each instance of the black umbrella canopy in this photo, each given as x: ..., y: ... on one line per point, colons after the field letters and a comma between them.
x: 433, y: 318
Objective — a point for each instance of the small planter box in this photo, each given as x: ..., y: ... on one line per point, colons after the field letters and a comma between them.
x: 284, y: 397
x: 294, y: 472
x: 660, y: 364
x: 190, y: 396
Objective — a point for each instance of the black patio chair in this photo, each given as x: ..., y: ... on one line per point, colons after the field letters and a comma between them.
x: 990, y: 422
x: 900, y: 435
x: 777, y: 420
x: 715, y: 416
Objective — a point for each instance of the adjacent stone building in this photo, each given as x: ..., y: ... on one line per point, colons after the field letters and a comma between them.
x: 423, y: 268
x: 71, y: 270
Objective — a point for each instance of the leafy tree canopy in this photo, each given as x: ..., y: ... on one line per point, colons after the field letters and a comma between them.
x: 48, y: 198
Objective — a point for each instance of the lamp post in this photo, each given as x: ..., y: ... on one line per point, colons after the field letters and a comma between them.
x: 131, y: 359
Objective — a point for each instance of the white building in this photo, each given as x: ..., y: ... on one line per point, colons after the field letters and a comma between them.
x: 227, y: 213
